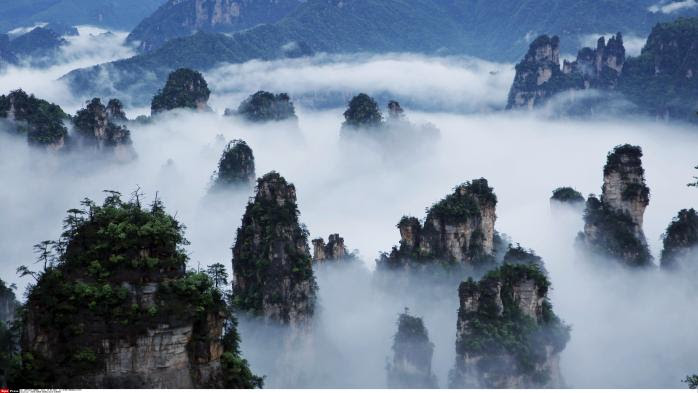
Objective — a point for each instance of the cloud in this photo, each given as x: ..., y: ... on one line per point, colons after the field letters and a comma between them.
x: 629, y: 330
x: 670, y: 7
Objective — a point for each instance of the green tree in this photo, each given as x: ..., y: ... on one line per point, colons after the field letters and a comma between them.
x: 692, y: 381
x: 185, y: 88
x: 363, y: 111
x: 218, y: 275
x: 695, y: 182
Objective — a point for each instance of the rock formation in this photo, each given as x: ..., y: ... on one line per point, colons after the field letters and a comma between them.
x: 115, y: 111
x: 362, y: 112
x: 179, y: 18
x: 333, y: 250
x: 395, y: 111
x: 8, y: 337
x: 567, y: 196
x: 39, y: 120
x: 539, y: 77
x: 412, y: 354
x: 681, y: 242
x: 507, y: 333
x: 8, y: 304
x: 457, y: 230
x: 95, y: 124
x: 272, y: 268
x: 235, y: 168
x: 263, y: 106
x: 613, y: 223
x: 115, y: 308
x: 185, y: 88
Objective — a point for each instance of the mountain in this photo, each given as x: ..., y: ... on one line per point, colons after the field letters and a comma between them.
x: 461, y: 27
x: 660, y: 82
x: 117, y: 14
x: 178, y: 18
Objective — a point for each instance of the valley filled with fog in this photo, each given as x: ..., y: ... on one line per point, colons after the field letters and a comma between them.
x: 629, y: 329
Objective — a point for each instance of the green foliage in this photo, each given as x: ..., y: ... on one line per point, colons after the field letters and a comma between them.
x: 492, y: 330
x: 95, y: 123
x: 235, y: 167
x: 271, y: 247
x: 465, y: 201
x: 362, y: 111
x: 185, y: 88
x: 681, y: 236
x: 624, y: 157
x: 616, y: 235
x: 40, y: 120
x: 218, y: 275
x: 692, y: 381
x: 264, y: 106
x: 412, y: 355
x: 109, y: 254
x: 567, y: 194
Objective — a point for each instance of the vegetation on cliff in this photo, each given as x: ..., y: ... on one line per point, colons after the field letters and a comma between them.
x: 264, y: 106
x: 91, y: 290
x: 680, y: 239
x: 39, y: 120
x: 362, y: 111
x: 235, y: 167
x: 412, y: 355
x: 567, y: 195
x: 185, y: 88
x: 492, y: 322
x: 272, y: 265
x: 96, y: 126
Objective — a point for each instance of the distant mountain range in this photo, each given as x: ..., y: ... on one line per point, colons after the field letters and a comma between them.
x: 115, y: 14
x: 499, y: 30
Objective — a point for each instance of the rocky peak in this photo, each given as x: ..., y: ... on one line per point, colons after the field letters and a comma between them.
x: 272, y: 268
x: 130, y: 314
x: 395, y: 111
x: 95, y: 125
x: 235, y: 167
x: 41, y: 121
x: 115, y: 111
x: 681, y: 242
x: 613, y: 222
x: 567, y: 196
x: 263, y: 106
x: 333, y: 250
x: 624, y: 186
x: 511, y: 301
x: 459, y: 229
x: 185, y: 88
x: 412, y: 355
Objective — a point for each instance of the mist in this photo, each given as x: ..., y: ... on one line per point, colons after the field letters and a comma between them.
x: 628, y: 330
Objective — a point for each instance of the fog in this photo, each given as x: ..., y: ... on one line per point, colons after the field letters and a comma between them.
x: 628, y: 330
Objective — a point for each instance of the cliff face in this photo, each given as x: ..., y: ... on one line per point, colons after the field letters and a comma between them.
x: 179, y: 18
x: 613, y: 223
x: 412, y: 355
x: 113, y: 313
x: 96, y: 126
x: 272, y: 268
x: 459, y: 229
x: 333, y: 250
x: 600, y: 67
x: 507, y: 334
x: 235, y: 168
x: 8, y: 304
x: 681, y: 242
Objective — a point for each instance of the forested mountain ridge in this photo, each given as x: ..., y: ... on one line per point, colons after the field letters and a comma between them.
x: 457, y: 27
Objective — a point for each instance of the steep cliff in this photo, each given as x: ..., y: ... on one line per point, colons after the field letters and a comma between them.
x: 235, y: 167
x: 8, y: 304
x: 412, y: 353
x: 272, y: 268
x: 263, y: 106
x: 681, y: 242
x: 507, y: 333
x: 95, y: 124
x: 179, y: 18
x: 8, y: 337
x: 39, y: 120
x: 115, y: 308
x: 185, y: 88
x: 458, y: 230
x: 600, y: 67
x: 334, y: 250
x: 613, y: 223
